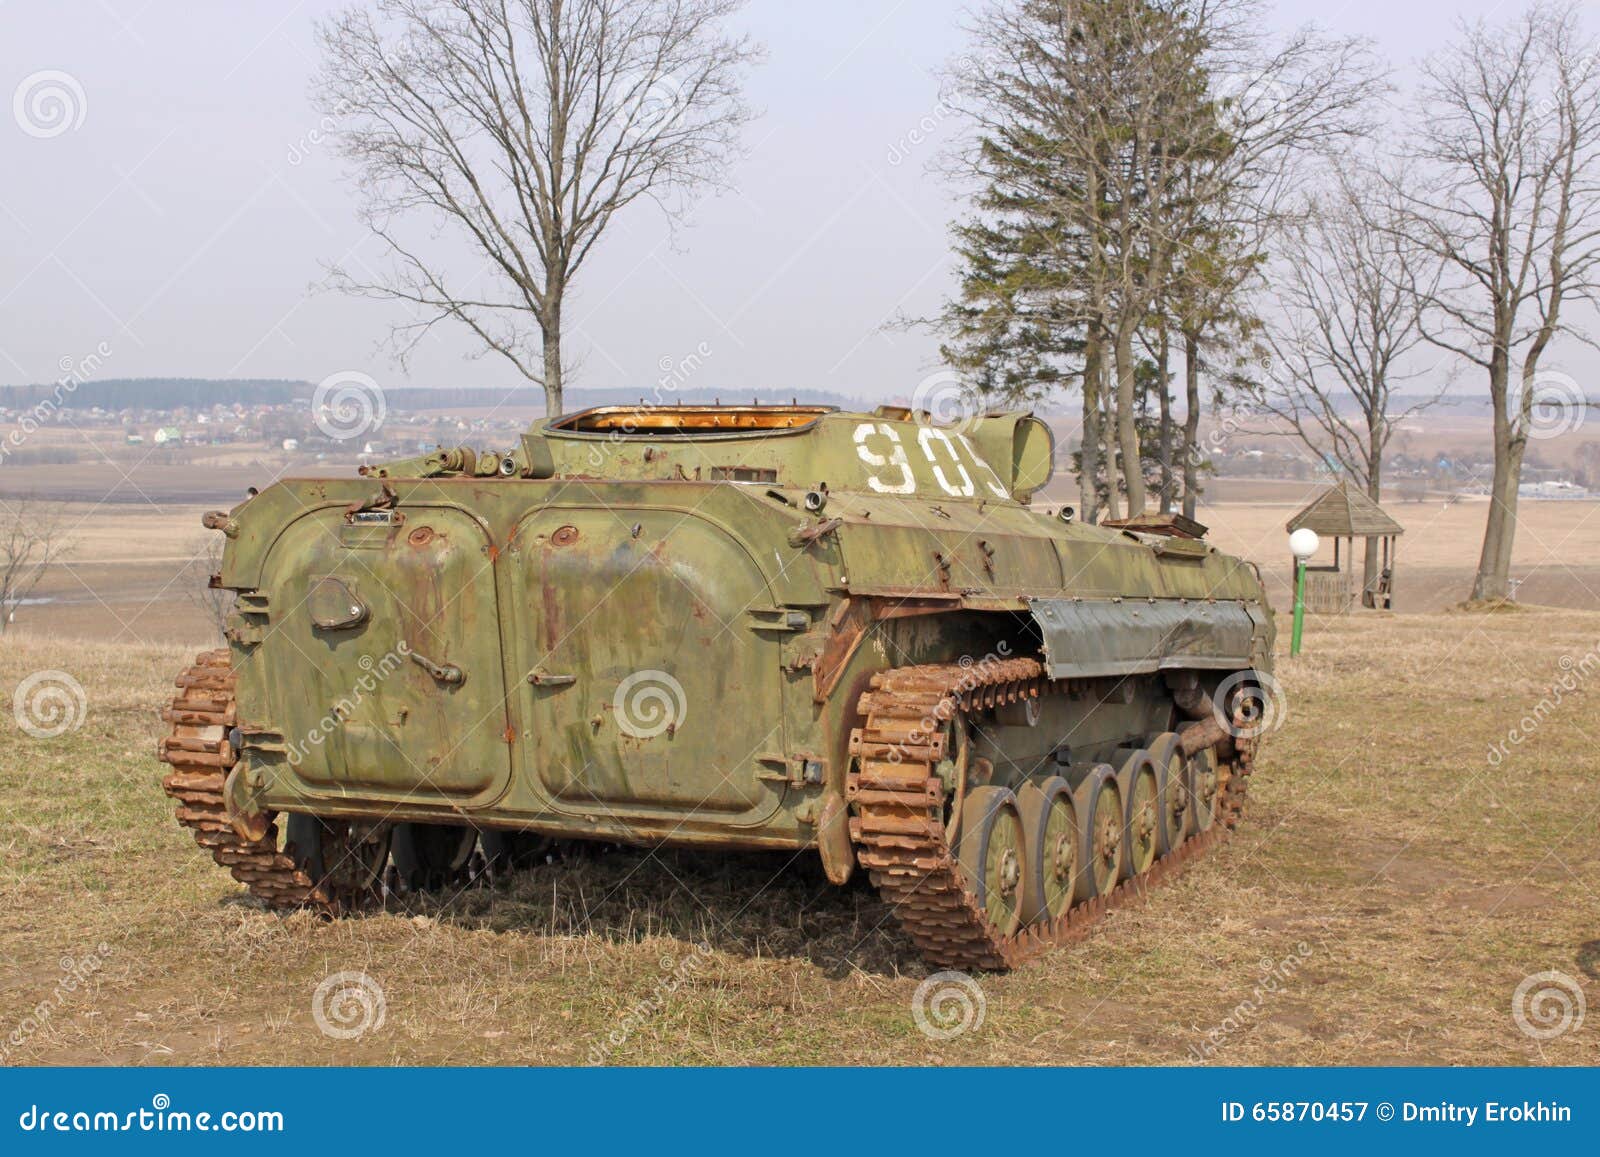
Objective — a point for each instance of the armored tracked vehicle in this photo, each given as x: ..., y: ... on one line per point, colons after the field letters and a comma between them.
x: 721, y: 627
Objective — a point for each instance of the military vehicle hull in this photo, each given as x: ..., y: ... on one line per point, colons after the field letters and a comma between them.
x: 832, y: 632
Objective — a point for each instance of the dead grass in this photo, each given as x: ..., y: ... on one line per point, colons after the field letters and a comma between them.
x: 1388, y: 891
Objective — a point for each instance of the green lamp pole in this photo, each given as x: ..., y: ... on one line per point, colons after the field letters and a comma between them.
x: 1303, y: 544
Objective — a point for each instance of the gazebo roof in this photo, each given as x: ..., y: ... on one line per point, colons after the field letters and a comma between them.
x: 1341, y: 512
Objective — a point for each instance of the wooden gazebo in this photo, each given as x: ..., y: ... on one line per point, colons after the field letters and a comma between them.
x: 1344, y: 512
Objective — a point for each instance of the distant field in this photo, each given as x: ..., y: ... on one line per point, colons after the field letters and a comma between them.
x: 137, y: 565
x: 1557, y: 548
x: 1388, y: 892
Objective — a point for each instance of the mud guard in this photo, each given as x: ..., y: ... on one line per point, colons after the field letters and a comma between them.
x: 1095, y: 638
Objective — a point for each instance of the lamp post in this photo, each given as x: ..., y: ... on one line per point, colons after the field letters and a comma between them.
x: 1303, y: 544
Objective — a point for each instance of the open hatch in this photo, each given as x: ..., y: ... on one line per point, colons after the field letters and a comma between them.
x: 647, y: 421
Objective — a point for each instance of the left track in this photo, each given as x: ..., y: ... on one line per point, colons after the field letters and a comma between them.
x: 202, y: 714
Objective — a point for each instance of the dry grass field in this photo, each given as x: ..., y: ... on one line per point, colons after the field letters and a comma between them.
x: 1388, y: 891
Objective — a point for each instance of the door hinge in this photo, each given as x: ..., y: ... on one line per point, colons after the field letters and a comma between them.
x: 799, y: 770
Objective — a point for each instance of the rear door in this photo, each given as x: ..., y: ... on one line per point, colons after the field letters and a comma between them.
x: 646, y: 691
x: 381, y: 662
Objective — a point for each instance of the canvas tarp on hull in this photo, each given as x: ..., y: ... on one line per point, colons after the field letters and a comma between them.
x: 1091, y: 638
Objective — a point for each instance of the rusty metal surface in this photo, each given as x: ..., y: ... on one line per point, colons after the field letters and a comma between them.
x: 899, y: 827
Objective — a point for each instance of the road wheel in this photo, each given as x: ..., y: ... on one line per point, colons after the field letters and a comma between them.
x: 1203, y: 784
x: 345, y: 859
x: 1142, y: 820
x: 1053, y: 841
x: 1100, y: 812
x: 1172, y: 780
x: 993, y: 854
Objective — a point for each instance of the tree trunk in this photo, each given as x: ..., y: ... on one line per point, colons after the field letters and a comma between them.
x: 1494, y: 561
x: 550, y: 330
x: 1191, y: 421
x: 1089, y: 456
x: 1108, y: 425
x: 1373, y: 546
x: 1494, y: 564
x: 1127, y: 432
x: 1163, y: 387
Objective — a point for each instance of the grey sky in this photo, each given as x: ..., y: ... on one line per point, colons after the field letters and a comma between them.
x: 183, y: 222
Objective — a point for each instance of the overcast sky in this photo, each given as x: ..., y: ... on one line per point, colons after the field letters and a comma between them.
x: 185, y: 217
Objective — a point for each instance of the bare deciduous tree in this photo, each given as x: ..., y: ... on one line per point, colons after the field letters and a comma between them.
x: 32, y: 536
x: 522, y: 127
x: 1508, y: 144
x: 1350, y: 290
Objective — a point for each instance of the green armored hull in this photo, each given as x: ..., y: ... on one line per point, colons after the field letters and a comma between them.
x: 724, y: 627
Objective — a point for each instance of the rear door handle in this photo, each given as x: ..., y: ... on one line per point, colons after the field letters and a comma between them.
x: 444, y: 673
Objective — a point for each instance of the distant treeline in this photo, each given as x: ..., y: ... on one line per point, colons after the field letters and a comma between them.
x: 154, y: 393
x: 203, y: 393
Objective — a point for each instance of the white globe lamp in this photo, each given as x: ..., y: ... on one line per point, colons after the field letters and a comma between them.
x: 1303, y: 545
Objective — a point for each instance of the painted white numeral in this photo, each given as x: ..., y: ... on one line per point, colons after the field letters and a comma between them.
x: 928, y: 436
x: 896, y: 457
x: 990, y: 478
